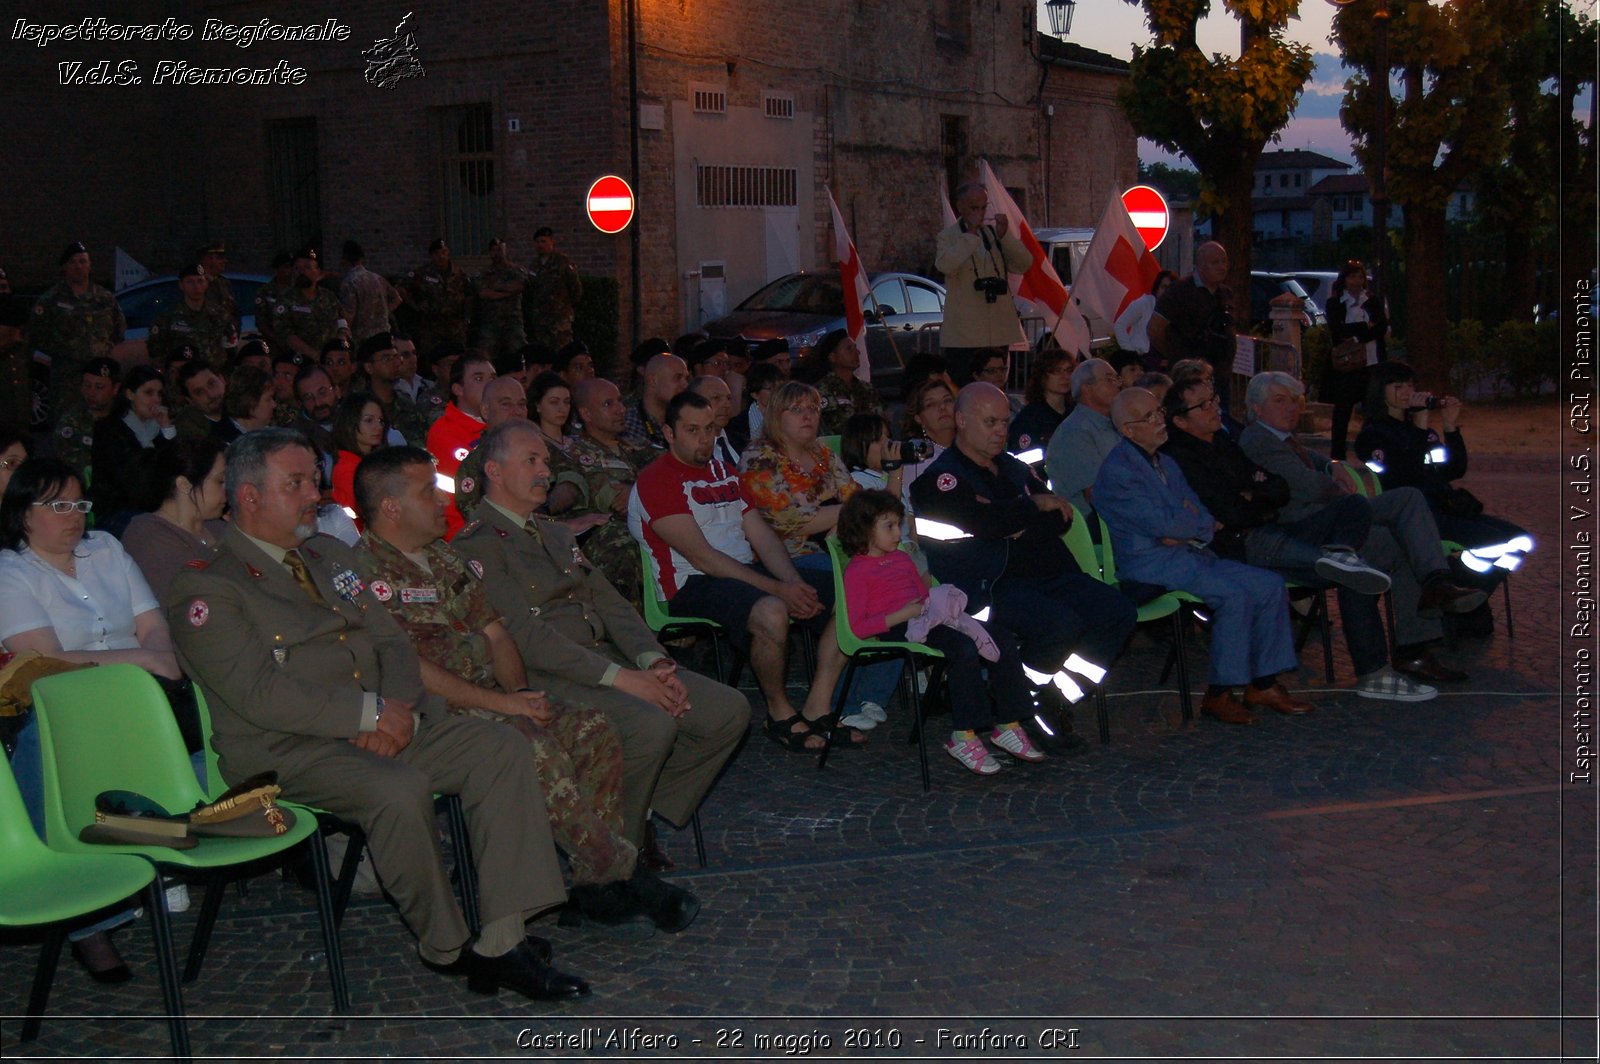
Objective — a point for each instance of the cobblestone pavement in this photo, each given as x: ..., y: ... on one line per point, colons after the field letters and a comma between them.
x: 1367, y: 882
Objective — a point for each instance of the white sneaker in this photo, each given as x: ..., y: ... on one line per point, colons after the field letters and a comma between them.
x: 873, y: 711
x: 860, y: 720
x: 1348, y: 569
x: 974, y: 755
x: 1386, y: 685
x: 1015, y: 742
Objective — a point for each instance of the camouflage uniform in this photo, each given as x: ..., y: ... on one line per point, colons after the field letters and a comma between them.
x: 16, y: 389
x: 219, y: 294
x: 406, y: 419
x: 268, y: 296
x: 601, y: 477
x: 842, y: 399
x: 550, y: 300
x: 208, y: 330
x: 499, y: 324
x: 71, y: 330
x: 74, y: 442
x: 444, y: 612
x: 442, y: 301
x: 309, y: 317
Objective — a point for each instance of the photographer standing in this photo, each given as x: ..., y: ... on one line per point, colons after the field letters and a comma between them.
x: 975, y: 255
x: 1194, y: 319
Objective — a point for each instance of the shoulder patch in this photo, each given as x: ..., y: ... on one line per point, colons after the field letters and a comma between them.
x: 1377, y: 453
x: 382, y: 591
x: 1023, y: 441
x: 65, y: 432
x: 462, y: 452
x: 466, y: 484
x: 946, y: 482
x: 199, y: 612
x: 477, y: 568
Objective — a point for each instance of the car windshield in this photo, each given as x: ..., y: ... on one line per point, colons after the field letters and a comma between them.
x: 805, y: 293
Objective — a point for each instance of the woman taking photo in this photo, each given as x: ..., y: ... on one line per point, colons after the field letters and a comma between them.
x: 1353, y: 315
x: 185, y: 495
x: 359, y: 428
x: 138, y: 422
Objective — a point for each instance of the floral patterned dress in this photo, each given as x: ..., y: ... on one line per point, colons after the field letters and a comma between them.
x: 789, y: 496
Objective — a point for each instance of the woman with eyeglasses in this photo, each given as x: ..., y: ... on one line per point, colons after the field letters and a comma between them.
x: 78, y: 597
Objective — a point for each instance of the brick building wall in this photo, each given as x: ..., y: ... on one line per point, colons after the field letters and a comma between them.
x: 158, y: 170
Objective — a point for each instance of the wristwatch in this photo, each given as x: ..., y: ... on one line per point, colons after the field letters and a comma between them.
x: 378, y: 718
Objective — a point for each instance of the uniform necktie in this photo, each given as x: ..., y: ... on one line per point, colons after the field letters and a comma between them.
x: 302, y: 576
x: 1300, y: 451
x: 531, y: 528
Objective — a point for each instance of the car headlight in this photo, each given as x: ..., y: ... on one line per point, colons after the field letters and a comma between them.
x: 800, y: 344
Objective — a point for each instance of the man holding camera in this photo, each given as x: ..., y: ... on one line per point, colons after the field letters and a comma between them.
x: 975, y: 255
x: 1194, y: 318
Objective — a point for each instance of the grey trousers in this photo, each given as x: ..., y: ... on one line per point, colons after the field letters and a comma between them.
x: 1404, y: 543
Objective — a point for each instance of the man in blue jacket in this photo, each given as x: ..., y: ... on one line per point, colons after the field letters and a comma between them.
x: 1161, y: 534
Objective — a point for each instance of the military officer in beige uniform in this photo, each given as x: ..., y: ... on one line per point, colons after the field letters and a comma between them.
x: 583, y: 643
x: 307, y: 675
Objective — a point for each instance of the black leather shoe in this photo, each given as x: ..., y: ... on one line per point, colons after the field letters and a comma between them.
x: 606, y: 903
x: 1427, y: 668
x: 1441, y: 595
x: 671, y: 907
x: 100, y: 959
x: 520, y: 970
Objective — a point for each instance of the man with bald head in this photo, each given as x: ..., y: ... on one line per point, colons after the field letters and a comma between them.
x: 503, y: 399
x: 1161, y: 534
x: 607, y: 465
x: 990, y: 526
x: 664, y: 377
x: 1194, y: 317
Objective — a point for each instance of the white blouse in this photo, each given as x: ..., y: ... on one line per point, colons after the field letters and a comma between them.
x: 93, y: 611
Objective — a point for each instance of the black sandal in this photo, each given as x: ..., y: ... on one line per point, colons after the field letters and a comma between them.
x: 828, y: 722
x: 791, y: 733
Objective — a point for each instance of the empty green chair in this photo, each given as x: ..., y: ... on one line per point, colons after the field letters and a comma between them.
x: 111, y: 728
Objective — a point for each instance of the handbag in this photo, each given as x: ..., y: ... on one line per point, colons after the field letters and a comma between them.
x: 1349, y: 355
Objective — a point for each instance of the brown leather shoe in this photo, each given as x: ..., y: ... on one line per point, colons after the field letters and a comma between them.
x: 1227, y: 708
x: 1278, y: 698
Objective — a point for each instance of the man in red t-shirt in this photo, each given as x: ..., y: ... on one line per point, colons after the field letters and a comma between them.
x: 453, y: 436
x: 705, y: 538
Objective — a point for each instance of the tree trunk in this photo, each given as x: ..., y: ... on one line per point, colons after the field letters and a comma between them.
x: 1426, y: 319
x: 1234, y: 229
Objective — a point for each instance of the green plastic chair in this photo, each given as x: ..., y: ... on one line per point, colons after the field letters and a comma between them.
x: 1169, y: 605
x: 860, y: 652
x: 1081, y: 545
x: 38, y: 886
x: 111, y: 728
x: 667, y: 625
x: 831, y: 443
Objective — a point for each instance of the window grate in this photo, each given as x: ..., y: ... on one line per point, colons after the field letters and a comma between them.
x: 746, y: 186
x: 709, y: 100
x: 777, y: 104
x: 465, y: 139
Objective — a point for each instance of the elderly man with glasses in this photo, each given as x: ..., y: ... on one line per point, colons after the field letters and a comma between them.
x: 1163, y: 534
x: 1085, y: 438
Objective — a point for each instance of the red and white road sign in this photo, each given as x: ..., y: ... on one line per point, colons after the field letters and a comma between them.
x: 1148, y: 210
x: 609, y: 204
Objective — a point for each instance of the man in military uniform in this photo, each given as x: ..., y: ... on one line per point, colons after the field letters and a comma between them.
x: 307, y: 316
x: 470, y: 660
x: 843, y: 393
x: 664, y: 377
x: 16, y: 364
x: 441, y: 295
x: 193, y: 320
x: 499, y: 314
x: 73, y: 321
x: 219, y: 293
x: 550, y: 300
x: 380, y: 366
x: 414, y: 386
x: 340, y: 363
x: 309, y: 677
x: 583, y: 643
x: 608, y: 464
x: 285, y: 368
x: 503, y: 399
x: 990, y: 526
x: 74, y: 443
x: 368, y: 298
x: 269, y: 295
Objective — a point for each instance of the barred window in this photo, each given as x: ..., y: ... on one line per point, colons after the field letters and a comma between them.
x: 746, y: 186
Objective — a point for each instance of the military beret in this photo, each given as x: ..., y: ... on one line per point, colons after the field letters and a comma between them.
x: 74, y: 248
x: 375, y: 343
x: 282, y: 258
x: 435, y: 244
x: 109, y: 368
x: 216, y: 247
x: 193, y: 269
x: 251, y: 348
x: 338, y: 343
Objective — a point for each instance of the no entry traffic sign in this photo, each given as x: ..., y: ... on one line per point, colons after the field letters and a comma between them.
x: 1148, y: 210
x: 609, y: 204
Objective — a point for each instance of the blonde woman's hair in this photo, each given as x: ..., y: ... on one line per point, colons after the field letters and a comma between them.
x: 785, y: 395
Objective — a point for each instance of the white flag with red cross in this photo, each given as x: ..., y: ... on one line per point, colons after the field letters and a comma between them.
x: 1039, y: 284
x: 1118, y: 267
x: 853, y: 279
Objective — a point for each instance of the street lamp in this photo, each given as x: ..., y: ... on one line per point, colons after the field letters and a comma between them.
x: 1061, y: 16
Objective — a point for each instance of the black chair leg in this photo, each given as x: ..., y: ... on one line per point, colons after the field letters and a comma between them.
x: 1511, y: 629
x: 838, y: 712
x: 167, y: 969
x: 1102, y: 714
x: 466, y: 872
x: 215, y: 887
x: 1325, y: 624
x: 330, y: 924
x: 1180, y: 651
x: 43, y: 976
x: 348, y: 867
x: 699, y: 838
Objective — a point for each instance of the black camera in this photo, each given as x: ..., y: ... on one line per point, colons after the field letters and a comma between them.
x: 991, y: 287
x: 917, y: 449
x: 1430, y: 403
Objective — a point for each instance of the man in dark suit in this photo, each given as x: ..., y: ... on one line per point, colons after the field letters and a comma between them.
x: 582, y: 642
x: 307, y: 675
